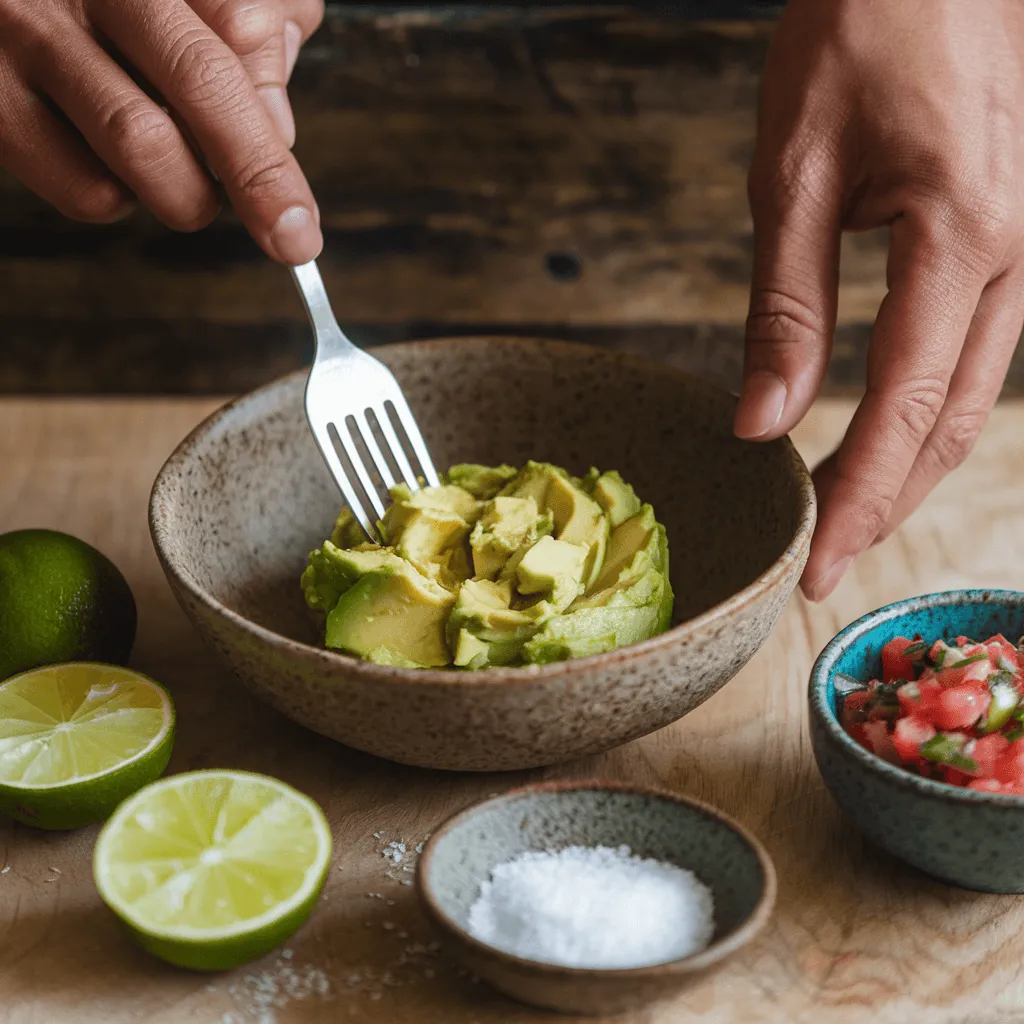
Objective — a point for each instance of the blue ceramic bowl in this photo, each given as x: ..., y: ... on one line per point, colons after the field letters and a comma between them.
x: 974, y: 840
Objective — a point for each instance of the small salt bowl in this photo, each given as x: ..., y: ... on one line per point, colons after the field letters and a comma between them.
x: 462, y: 854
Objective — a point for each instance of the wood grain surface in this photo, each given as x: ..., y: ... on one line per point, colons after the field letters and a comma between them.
x: 856, y: 936
x: 532, y: 169
x: 536, y: 169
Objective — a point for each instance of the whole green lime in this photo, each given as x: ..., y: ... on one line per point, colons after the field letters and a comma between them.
x: 60, y: 600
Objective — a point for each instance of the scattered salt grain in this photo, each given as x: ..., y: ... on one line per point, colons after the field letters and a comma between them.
x: 258, y: 996
x: 593, y: 907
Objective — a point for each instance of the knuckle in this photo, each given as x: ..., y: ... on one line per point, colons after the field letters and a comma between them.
x: 94, y: 201
x: 262, y: 176
x: 953, y: 438
x: 145, y: 136
x: 975, y: 227
x: 873, y: 514
x: 916, y: 408
x: 872, y: 510
x: 777, y: 318
x: 203, y: 72
x: 246, y: 26
x: 802, y: 170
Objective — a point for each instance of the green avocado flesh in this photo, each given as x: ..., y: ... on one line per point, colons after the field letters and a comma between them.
x: 496, y: 567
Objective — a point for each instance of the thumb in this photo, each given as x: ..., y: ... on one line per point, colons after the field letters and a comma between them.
x: 797, y: 228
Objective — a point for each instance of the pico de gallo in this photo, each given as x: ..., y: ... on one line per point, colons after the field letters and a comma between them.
x: 949, y: 711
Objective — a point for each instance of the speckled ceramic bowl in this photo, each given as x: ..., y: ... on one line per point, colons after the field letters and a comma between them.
x: 462, y: 853
x: 240, y: 504
x: 975, y: 840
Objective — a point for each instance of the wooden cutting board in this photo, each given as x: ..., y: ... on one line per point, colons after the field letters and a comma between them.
x: 856, y: 936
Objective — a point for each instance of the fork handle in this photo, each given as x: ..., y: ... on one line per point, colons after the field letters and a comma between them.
x: 318, y: 306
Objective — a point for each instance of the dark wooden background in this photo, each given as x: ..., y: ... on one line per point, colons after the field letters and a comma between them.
x: 531, y: 169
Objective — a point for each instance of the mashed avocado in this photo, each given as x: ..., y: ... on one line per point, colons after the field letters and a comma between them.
x: 497, y: 566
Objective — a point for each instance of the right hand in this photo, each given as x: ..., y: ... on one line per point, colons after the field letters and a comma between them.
x: 219, y: 66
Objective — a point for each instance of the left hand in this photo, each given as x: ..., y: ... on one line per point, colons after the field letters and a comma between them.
x: 906, y: 114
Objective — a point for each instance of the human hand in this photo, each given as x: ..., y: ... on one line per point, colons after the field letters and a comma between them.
x: 909, y: 114
x: 77, y: 129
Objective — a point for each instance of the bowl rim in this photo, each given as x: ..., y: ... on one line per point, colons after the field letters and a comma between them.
x: 527, y: 675
x: 717, y: 951
x: 824, y: 713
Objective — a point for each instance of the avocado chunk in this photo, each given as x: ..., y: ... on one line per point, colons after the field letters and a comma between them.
x: 347, y: 532
x: 327, y: 577
x: 628, y: 614
x: 554, y: 569
x: 424, y: 526
x: 483, y: 482
x: 483, y: 628
x: 443, y: 505
x: 616, y: 498
x: 504, y: 526
x: 578, y: 519
x: 391, y: 613
x: 642, y: 532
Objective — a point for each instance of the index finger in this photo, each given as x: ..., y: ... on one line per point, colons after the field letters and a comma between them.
x: 915, y: 345
x: 203, y: 80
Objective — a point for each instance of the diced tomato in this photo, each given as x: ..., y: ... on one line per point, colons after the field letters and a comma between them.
x: 975, y: 672
x: 985, y: 753
x: 999, y: 645
x: 895, y: 664
x: 909, y: 696
x: 963, y: 641
x: 919, y: 699
x: 1010, y: 766
x: 853, y: 705
x: 959, y: 707
x: 908, y: 736
x: 878, y: 741
x: 987, y: 786
x: 857, y: 732
x: 954, y: 776
x: 995, y: 786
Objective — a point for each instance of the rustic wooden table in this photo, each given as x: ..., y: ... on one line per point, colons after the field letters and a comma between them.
x: 856, y: 936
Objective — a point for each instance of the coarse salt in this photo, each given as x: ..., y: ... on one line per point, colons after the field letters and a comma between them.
x: 593, y: 907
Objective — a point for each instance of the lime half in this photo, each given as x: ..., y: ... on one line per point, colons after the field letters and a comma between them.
x: 212, y: 869
x: 76, y: 739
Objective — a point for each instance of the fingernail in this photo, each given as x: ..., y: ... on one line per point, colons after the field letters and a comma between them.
x: 761, y: 403
x: 296, y: 238
x: 280, y: 110
x: 292, y: 42
x: 828, y: 580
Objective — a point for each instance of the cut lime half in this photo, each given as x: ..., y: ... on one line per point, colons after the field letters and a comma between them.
x: 212, y: 869
x: 76, y: 739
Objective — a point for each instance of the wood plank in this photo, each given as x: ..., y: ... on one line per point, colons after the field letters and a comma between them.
x: 566, y: 171
x: 857, y: 938
x: 465, y: 158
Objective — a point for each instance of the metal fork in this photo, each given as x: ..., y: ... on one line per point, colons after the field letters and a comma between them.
x: 354, y: 404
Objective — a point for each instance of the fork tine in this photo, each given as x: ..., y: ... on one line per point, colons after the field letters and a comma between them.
x: 369, y: 487
x: 388, y: 430
x: 330, y: 454
x: 419, y: 446
x: 376, y: 455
